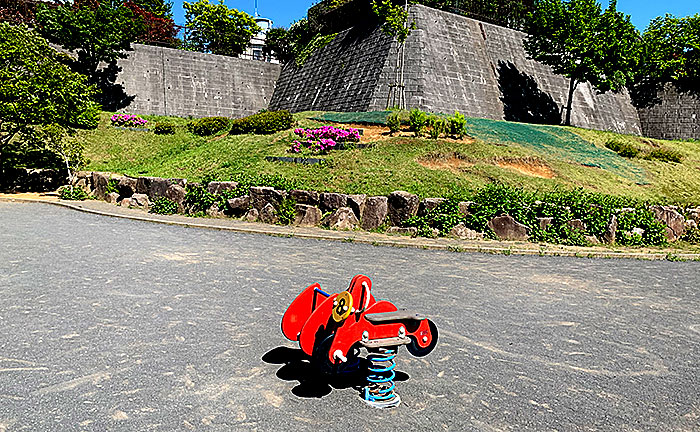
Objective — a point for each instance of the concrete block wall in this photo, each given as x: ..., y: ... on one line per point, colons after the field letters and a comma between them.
x: 482, y: 70
x: 345, y: 75
x: 677, y: 116
x: 451, y: 63
x: 166, y: 81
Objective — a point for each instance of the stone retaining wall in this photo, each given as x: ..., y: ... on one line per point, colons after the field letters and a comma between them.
x: 451, y: 63
x: 340, y: 211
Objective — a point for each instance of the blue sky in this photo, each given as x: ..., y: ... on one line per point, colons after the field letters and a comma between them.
x: 284, y: 12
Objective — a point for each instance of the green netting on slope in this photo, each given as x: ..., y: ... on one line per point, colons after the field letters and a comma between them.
x: 555, y: 142
x: 552, y: 141
x: 369, y: 117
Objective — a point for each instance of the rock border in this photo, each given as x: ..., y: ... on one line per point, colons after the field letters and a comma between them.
x: 341, y: 211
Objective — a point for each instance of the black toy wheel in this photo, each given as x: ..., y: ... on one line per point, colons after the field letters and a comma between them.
x: 418, y: 351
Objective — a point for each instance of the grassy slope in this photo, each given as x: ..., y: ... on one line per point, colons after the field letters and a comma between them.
x: 391, y: 165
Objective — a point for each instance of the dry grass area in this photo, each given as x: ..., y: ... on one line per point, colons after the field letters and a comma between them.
x: 530, y: 166
x: 456, y: 162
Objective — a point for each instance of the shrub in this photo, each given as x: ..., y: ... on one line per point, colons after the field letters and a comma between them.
x: 164, y: 129
x: 208, y: 125
x: 692, y: 235
x: 417, y: 120
x: 664, y: 155
x: 72, y: 194
x: 198, y: 200
x: 457, y: 125
x: 323, y: 139
x: 622, y: 148
x: 287, y: 211
x: 128, y: 120
x: 112, y: 186
x: 595, y: 210
x: 394, y: 122
x: 437, y: 127
x: 164, y: 206
x: 264, y: 123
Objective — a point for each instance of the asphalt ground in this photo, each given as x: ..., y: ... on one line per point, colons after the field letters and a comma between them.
x: 120, y: 325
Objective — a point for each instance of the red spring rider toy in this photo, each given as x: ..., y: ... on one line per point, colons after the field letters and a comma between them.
x: 331, y: 329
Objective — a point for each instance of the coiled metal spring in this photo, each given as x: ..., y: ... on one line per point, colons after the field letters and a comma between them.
x: 380, y: 389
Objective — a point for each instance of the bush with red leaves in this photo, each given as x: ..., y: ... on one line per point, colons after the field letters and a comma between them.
x: 156, y: 30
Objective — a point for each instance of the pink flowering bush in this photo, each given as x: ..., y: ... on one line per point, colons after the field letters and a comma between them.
x: 128, y: 120
x: 323, y: 139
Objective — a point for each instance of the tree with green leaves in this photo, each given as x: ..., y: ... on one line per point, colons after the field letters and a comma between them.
x: 214, y: 28
x: 277, y: 45
x: 671, y: 55
x: 38, y: 93
x: 579, y: 40
x: 96, y: 31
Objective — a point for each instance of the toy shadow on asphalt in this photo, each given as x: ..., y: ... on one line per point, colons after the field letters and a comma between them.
x: 314, y: 383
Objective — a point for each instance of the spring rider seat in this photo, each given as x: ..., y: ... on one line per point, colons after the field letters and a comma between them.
x: 332, y: 328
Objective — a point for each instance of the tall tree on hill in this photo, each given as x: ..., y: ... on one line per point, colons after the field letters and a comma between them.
x: 579, y: 40
x: 217, y: 29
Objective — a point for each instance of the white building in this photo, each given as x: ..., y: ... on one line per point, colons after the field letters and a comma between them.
x: 255, y: 48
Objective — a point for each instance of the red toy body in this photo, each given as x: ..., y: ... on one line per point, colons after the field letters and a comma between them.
x: 332, y: 328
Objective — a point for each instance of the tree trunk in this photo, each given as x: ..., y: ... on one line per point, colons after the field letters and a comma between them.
x: 572, y: 87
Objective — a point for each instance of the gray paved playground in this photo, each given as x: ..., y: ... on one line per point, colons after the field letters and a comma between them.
x: 117, y: 325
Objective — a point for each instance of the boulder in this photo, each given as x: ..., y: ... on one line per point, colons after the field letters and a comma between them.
x: 261, y: 196
x: 176, y: 194
x: 544, y: 222
x: 342, y: 219
x: 357, y: 203
x: 375, y: 213
x: 156, y: 187
x: 100, y: 182
x: 576, y: 224
x: 465, y: 208
x: 507, y: 228
x: 126, y: 187
x: 252, y: 215
x: 126, y: 202
x: 402, y: 205
x: 239, y: 205
x: 268, y: 214
x: 592, y: 239
x: 333, y: 201
x: 610, y: 230
x: 429, y: 204
x: 464, y: 233
x: 412, y: 231
x: 307, y: 215
x: 216, y: 188
x: 694, y: 214
x: 690, y: 224
x: 140, y: 201
x: 215, y: 212
x: 304, y: 197
x: 112, y: 197
x: 674, y: 221
x: 83, y: 180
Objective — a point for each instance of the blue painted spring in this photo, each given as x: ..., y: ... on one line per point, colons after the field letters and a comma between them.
x: 380, y: 389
